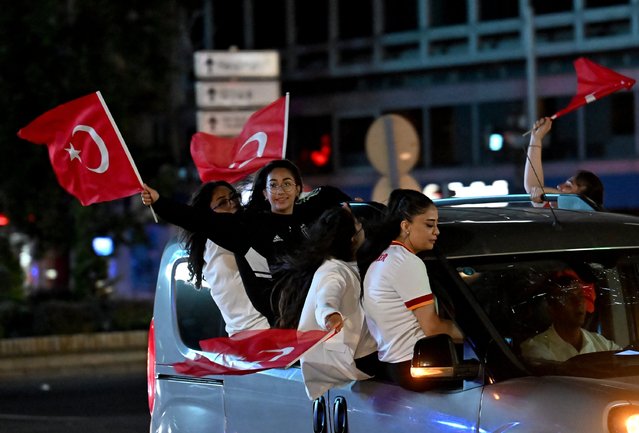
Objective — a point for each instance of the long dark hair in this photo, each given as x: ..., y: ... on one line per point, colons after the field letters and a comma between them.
x: 257, y: 200
x: 593, y: 187
x: 403, y: 204
x: 195, y: 242
x: 329, y: 237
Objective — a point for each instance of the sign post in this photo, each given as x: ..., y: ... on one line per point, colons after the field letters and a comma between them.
x: 231, y: 86
x: 392, y: 147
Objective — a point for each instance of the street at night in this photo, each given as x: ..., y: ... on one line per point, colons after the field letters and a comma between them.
x: 111, y: 402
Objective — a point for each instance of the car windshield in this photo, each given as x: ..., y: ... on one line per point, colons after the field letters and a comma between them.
x: 574, y: 313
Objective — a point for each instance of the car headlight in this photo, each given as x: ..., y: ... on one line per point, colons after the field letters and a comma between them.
x: 623, y: 419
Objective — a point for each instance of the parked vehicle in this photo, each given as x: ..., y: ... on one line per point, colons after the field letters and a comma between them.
x: 485, y: 273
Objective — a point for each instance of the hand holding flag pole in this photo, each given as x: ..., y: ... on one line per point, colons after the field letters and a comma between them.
x: 87, y: 152
x: 593, y: 82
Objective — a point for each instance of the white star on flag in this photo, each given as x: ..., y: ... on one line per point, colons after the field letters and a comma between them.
x: 73, y: 152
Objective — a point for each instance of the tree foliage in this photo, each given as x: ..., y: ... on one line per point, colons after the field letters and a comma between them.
x: 54, y: 51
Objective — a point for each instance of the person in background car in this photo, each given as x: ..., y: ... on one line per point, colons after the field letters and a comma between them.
x: 320, y: 290
x: 275, y: 221
x: 219, y: 266
x: 397, y: 299
x: 568, y: 300
x: 582, y: 182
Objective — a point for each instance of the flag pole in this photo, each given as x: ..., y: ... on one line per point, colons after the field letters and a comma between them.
x: 531, y: 64
x: 285, y: 139
x: 124, y: 146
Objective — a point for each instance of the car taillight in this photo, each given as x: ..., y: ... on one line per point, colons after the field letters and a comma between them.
x: 150, y: 367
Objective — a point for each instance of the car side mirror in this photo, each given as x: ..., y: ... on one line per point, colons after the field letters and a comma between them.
x: 436, y: 357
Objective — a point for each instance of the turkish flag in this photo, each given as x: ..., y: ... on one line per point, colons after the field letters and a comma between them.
x: 251, y: 351
x: 87, y: 152
x: 262, y: 139
x: 594, y: 82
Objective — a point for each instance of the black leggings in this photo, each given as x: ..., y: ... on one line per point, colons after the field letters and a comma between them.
x: 369, y: 364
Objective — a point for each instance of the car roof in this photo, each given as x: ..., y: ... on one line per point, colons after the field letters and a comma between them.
x: 482, y: 231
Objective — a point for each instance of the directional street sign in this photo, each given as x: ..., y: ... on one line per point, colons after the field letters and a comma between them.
x: 226, y: 94
x: 219, y: 64
x: 222, y: 123
x: 232, y: 85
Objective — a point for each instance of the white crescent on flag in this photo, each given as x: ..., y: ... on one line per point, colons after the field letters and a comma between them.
x: 282, y: 352
x: 261, y: 139
x: 104, y: 153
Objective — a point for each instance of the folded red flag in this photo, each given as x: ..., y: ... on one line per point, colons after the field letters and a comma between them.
x: 262, y: 139
x: 594, y: 82
x: 251, y: 351
x: 86, y: 149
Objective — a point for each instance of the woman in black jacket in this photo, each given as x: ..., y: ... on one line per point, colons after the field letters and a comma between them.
x: 275, y: 220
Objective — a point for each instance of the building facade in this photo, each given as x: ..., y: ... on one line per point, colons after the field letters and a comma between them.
x: 459, y: 71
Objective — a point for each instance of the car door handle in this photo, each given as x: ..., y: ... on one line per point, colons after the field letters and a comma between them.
x: 319, y: 415
x: 340, y: 420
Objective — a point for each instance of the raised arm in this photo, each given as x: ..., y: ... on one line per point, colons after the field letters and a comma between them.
x: 533, y: 171
x: 225, y: 229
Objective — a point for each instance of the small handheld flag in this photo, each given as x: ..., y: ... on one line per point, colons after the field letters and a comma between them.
x: 262, y: 139
x: 86, y: 149
x: 593, y: 83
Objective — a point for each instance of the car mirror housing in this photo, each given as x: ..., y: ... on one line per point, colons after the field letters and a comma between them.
x: 436, y: 357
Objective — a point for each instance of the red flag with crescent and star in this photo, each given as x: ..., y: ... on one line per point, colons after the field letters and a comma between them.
x: 262, y: 139
x: 86, y: 149
x: 251, y: 351
x: 594, y: 82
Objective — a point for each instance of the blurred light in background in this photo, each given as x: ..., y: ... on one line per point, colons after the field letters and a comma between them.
x: 478, y: 188
x: 103, y: 245
x: 496, y: 142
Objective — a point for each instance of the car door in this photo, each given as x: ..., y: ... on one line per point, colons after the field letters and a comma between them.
x: 376, y: 406
x: 269, y: 401
x: 380, y: 406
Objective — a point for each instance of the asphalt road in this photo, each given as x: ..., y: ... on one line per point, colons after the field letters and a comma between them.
x: 109, y: 402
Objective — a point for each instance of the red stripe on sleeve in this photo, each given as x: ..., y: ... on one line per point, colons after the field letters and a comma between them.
x: 419, y: 302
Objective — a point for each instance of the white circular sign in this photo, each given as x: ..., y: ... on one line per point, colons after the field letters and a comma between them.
x: 404, y: 137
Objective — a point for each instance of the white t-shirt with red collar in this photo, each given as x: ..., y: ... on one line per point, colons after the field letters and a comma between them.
x: 395, y: 285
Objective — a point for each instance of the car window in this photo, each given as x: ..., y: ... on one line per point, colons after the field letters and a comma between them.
x: 512, y: 292
x: 197, y: 315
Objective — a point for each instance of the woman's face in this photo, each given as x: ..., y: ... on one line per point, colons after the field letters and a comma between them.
x: 570, y: 186
x: 422, y: 230
x: 224, y: 200
x: 281, y: 191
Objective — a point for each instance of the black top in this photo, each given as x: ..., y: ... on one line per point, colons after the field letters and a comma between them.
x: 270, y: 234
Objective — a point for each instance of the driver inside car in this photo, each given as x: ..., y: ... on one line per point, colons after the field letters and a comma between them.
x: 568, y: 300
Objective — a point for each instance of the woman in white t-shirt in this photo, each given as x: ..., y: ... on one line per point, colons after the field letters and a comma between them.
x: 219, y: 266
x: 397, y: 297
x: 320, y: 290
